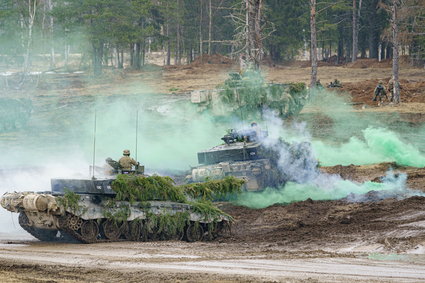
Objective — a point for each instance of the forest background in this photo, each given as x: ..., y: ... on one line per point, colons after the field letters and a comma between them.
x: 120, y: 33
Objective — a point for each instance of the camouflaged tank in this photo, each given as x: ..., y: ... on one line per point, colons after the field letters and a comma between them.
x: 245, y: 156
x: 242, y: 156
x: 248, y: 94
x: 87, y: 211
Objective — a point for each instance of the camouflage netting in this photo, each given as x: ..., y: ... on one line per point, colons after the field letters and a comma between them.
x: 138, y: 188
x: 249, y: 93
x: 215, y: 189
x: 70, y: 201
x: 134, y: 188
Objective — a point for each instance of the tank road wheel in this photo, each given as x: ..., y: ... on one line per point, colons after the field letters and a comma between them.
x: 152, y: 230
x: 178, y: 236
x: 134, y: 231
x: 171, y: 234
x: 74, y: 222
x: 89, y: 231
x: 212, y: 231
x: 111, y: 230
x: 194, y: 232
x: 224, y: 229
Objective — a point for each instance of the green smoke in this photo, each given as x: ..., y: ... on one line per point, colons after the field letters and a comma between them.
x: 378, y: 145
x: 170, y: 132
x: 325, y: 187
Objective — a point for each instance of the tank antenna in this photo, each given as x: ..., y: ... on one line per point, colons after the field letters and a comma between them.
x: 137, y: 129
x: 94, y: 144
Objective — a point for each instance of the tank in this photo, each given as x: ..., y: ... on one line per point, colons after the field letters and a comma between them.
x: 89, y: 211
x: 243, y: 155
x: 248, y: 94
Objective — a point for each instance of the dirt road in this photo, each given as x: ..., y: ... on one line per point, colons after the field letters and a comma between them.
x: 32, y: 261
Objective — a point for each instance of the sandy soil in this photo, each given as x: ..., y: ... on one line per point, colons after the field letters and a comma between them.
x: 378, y: 240
x: 208, y: 262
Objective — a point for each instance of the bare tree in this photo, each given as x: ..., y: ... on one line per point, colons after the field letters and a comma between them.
x: 356, y: 19
x: 201, y: 47
x: 28, y: 10
x: 313, y: 50
x: 209, y: 27
x: 254, y: 43
x: 51, y: 31
x: 395, y: 39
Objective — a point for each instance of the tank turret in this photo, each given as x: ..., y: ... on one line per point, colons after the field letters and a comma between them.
x: 244, y: 155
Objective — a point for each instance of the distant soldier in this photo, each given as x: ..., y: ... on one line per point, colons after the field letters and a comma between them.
x: 391, y: 88
x: 379, y: 92
x: 335, y: 83
x: 126, y: 161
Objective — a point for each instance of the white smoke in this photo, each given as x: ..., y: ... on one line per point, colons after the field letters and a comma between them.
x: 33, y: 179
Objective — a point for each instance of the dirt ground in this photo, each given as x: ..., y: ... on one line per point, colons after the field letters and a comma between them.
x: 376, y: 240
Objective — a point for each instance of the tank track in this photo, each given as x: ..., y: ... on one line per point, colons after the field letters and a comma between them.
x: 192, y: 233
x: 45, y: 235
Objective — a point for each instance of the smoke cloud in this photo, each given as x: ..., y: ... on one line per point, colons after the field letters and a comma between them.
x: 377, y: 144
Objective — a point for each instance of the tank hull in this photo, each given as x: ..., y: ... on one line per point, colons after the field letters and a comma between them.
x: 257, y: 174
x: 95, y: 218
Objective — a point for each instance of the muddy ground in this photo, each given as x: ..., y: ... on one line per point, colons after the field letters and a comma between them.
x: 376, y: 240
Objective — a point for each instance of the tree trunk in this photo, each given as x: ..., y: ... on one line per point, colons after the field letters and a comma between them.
x: 389, y: 52
x: 168, y: 59
x: 97, y: 58
x: 254, y: 45
x: 177, y: 60
x: 178, y: 52
x: 143, y: 54
x: 313, y: 52
x: 355, y: 30
x: 340, y: 50
x: 120, y: 58
x: 32, y: 9
x: 201, y: 43
x: 348, y: 49
x: 394, y: 24
x: 51, y: 32
x: 131, y: 55
x: 209, y: 28
x: 137, y: 59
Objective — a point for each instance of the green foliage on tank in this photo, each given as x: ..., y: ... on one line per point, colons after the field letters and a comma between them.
x: 134, y: 188
x: 249, y: 93
x: 208, y: 210
x: 214, y: 189
x: 71, y: 201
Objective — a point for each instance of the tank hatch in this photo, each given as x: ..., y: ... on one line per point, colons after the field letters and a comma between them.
x: 98, y: 187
